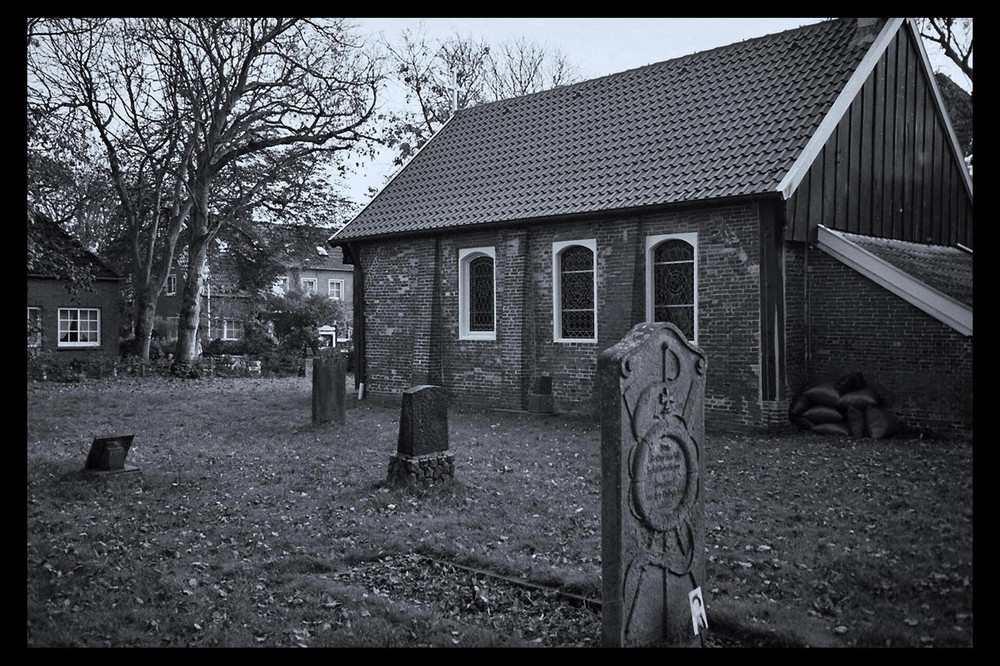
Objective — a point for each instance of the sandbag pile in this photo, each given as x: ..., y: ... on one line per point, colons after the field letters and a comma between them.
x: 847, y: 407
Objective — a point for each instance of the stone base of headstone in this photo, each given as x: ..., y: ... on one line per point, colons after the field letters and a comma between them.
x: 425, y: 470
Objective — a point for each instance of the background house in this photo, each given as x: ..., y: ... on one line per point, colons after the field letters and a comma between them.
x: 730, y: 192
x: 226, y: 310
x: 325, y: 273
x: 73, y: 298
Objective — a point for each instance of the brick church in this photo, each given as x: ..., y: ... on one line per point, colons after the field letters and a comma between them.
x: 796, y: 204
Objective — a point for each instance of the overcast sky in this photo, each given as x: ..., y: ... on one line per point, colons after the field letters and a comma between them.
x: 598, y: 46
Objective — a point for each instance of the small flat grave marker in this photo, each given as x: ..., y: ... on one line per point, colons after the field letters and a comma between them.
x: 107, y: 454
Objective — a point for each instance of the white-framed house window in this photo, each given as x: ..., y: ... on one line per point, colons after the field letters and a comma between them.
x: 309, y: 285
x: 574, y: 291
x: 34, y: 327
x: 232, y: 329
x: 79, y: 327
x: 335, y: 289
x: 281, y: 285
x: 477, y: 293
x: 171, y: 286
x: 672, y: 281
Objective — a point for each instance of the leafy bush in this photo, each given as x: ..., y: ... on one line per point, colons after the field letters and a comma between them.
x: 45, y: 365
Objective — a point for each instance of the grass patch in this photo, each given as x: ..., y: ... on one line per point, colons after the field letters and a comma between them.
x: 247, y: 526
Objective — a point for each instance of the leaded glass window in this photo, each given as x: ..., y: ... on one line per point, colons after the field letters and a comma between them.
x: 481, y: 294
x: 477, y: 293
x: 673, y: 285
x: 576, y: 274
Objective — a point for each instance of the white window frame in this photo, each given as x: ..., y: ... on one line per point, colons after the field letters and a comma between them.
x: 171, y: 287
x: 35, y: 318
x: 465, y: 256
x: 329, y: 289
x: 64, y: 317
x: 691, y: 238
x: 558, y: 248
x: 229, y: 323
x: 306, y: 289
x: 281, y: 284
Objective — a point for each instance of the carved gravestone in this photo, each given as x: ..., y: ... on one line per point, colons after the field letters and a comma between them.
x: 652, y: 433
x: 329, y: 389
x: 422, y: 456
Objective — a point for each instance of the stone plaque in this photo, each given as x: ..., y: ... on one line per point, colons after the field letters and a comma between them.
x: 652, y: 430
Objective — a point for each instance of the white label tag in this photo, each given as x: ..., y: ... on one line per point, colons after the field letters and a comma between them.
x: 698, y: 618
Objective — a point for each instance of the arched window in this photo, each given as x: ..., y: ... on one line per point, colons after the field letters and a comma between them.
x: 672, y: 281
x: 477, y: 293
x: 574, y: 291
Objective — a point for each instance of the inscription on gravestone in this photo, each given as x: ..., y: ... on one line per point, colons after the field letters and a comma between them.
x: 652, y: 432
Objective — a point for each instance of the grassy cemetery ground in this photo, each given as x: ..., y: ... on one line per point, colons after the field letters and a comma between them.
x: 247, y: 526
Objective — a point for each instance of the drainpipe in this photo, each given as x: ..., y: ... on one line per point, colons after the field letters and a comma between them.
x: 352, y: 255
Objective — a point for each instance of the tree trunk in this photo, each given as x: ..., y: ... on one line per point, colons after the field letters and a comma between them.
x: 190, y: 314
x: 145, y: 314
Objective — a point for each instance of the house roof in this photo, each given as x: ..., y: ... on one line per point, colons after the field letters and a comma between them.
x: 721, y: 123
x: 946, y: 269
x: 54, y: 253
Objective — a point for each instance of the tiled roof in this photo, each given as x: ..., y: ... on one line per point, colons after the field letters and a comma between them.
x: 53, y: 252
x: 947, y: 269
x: 719, y: 123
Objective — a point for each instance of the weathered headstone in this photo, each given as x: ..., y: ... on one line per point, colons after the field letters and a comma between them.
x: 422, y: 450
x: 329, y: 389
x: 652, y: 434
x: 107, y: 454
x: 540, y: 398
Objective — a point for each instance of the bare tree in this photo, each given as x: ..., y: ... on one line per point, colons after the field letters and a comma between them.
x: 954, y: 36
x: 203, y: 121
x: 520, y: 67
x: 439, y: 77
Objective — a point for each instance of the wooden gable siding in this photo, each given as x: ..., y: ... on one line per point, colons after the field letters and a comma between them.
x: 889, y: 168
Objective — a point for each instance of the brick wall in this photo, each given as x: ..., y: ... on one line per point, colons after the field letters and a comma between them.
x: 920, y: 365
x: 50, y: 295
x: 796, y: 368
x: 413, y: 330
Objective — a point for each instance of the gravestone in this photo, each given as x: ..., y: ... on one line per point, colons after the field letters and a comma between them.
x: 652, y: 543
x: 329, y: 389
x: 540, y: 398
x: 107, y: 454
x: 422, y: 456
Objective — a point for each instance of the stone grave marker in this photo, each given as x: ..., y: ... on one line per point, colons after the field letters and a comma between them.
x: 652, y: 437
x: 329, y: 389
x: 107, y: 454
x: 422, y: 456
x: 540, y: 398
